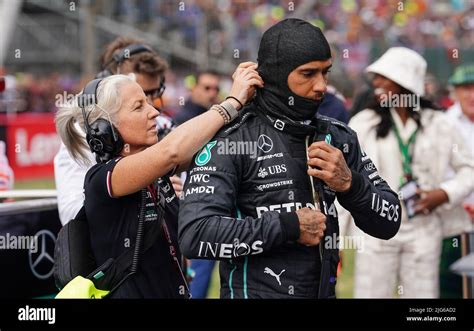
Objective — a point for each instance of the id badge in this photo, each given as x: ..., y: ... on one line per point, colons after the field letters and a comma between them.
x: 409, y: 197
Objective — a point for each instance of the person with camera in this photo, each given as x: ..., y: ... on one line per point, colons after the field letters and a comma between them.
x: 121, y: 130
x: 413, y: 147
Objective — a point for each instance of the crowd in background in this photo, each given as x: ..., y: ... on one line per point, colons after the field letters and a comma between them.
x: 358, y: 31
x: 26, y: 92
x: 416, y: 24
x: 354, y: 25
x: 357, y: 26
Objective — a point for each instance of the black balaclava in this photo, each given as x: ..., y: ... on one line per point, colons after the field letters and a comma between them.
x: 284, y: 47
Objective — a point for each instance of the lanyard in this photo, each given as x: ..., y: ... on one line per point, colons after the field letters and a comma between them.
x: 405, y: 153
x: 172, y: 248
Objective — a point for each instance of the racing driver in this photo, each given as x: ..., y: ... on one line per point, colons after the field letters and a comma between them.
x: 267, y: 213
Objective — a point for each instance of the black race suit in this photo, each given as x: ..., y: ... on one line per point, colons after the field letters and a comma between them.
x: 240, y: 199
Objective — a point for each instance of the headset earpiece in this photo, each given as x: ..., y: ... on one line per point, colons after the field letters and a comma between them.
x: 104, y: 73
x: 102, y: 137
x: 104, y: 140
x: 121, y: 56
x: 129, y: 51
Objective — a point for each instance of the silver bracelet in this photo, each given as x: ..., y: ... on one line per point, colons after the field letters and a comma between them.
x: 231, y: 111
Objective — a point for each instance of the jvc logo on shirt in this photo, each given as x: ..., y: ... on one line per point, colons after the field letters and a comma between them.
x: 227, y: 251
x: 272, y: 170
x: 37, y: 314
x: 384, y: 208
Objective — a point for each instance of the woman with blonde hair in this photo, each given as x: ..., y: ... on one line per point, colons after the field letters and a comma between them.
x: 121, y: 130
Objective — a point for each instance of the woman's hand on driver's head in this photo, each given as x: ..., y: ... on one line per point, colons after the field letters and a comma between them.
x: 246, y: 80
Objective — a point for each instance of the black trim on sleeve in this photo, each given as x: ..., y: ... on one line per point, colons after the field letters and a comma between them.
x: 356, y: 185
x: 290, y: 226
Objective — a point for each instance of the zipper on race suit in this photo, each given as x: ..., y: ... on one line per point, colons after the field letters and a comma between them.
x: 315, y: 195
x: 316, y: 199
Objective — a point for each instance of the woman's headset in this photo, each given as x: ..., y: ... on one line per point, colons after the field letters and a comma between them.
x: 102, y: 137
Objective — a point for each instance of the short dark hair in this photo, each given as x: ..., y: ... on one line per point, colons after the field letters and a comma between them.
x: 148, y: 63
x: 206, y: 72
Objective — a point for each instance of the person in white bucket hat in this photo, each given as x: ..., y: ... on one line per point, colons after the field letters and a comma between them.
x: 411, y: 145
x: 402, y: 66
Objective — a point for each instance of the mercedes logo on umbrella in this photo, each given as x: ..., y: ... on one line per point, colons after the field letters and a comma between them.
x: 41, y: 260
x: 264, y: 143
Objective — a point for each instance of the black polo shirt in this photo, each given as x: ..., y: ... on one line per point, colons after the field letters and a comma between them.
x: 113, y: 225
